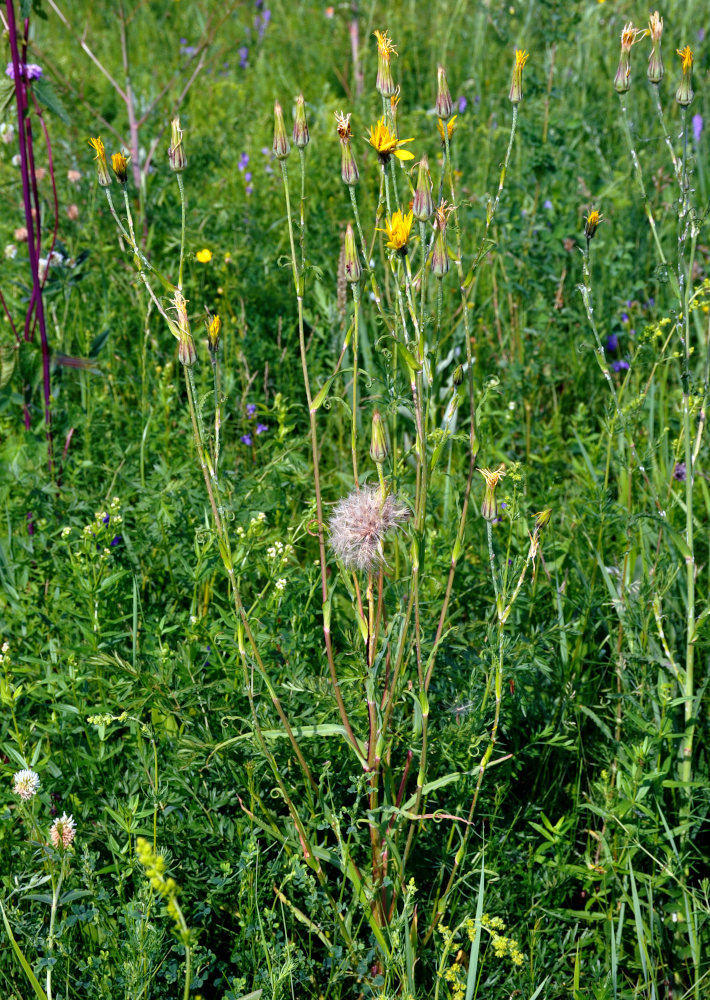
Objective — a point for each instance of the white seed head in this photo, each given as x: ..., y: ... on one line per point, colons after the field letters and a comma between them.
x: 359, y: 524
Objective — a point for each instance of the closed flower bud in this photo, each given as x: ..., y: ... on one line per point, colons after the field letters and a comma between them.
x: 348, y: 166
x: 440, y: 253
x: 176, y: 150
x: 684, y: 94
x: 300, y: 125
x: 104, y: 176
x: 353, y: 268
x: 120, y: 167
x: 542, y: 519
x: 444, y: 104
x: 378, y: 440
x: 385, y: 50
x: 516, y: 87
x: 423, y: 204
x: 213, y: 329
x: 458, y: 375
x: 181, y: 330
x: 622, y: 80
x: 655, y: 60
x: 489, y: 507
x: 281, y: 145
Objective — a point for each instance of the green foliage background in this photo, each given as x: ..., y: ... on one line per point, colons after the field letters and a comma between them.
x: 588, y: 834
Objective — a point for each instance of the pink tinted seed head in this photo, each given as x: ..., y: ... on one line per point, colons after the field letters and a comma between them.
x: 359, y: 524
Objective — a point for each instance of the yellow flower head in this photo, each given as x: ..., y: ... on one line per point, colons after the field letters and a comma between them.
x: 101, y: 165
x: 385, y: 48
x: 120, y: 167
x: 204, y: 256
x: 385, y: 51
x: 516, y: 87
x: 386, y: 143
x: 97, y: 145
x: 591, y: 223
x: 398, y: 229
x: 213, y: 329
x: 686, y: 56
x: 450, y: 128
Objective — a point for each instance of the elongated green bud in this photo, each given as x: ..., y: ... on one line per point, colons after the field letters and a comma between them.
x: 176, y: 150
x: 353, y: 268
x: 378, y: 440
x: 301, y: 137
x: 281, y: 144
x: 423, y: 204
x: 444, y: 104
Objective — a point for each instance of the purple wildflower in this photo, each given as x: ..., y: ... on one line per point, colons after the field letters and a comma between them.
x: 249, y: 189
x: 624, y: 317
x: 612, y: 343
x: 243, y: 160
x: 106, y: 518
x: 547, y: 204
x: 251, y: 410
x: 619, y: 366
x: 697, y: 127
x: 266, y: 150
x: 116, y: 540
x: 701, y: 34
x: 188, y: 50
x: 462, y: 104
x: 30, y: 71
x: 679, y: 472
x: 247, y: 176
x: 246, y: 439
x: 262, y: 428
x: 243, y: 54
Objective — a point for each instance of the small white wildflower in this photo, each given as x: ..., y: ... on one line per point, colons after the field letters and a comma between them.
x: 193, y: 619
x: 359, y: 524
x: 107, y: 552
x: 66, y: 531
x: 88, y: 529
x: 271, y: 552
x: 62, y: 831
x: 16, y: 160
x: 511, y: 404
x: 10, y: 251
x: 240, y: 531
x: 26, y: 784
x: 280, y: 584
x: 116, y: 502
x: 261, y: 516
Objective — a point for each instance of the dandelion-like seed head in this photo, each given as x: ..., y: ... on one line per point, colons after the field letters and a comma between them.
x: 62, y: 831
x: 26, y: 784
x: 360, y: 523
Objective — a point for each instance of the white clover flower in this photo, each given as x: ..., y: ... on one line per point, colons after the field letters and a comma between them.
x: 26, y: 784
x: 359, y: 524
x: 62, y: 831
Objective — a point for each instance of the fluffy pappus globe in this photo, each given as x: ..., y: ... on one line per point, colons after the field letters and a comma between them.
x: 359, y: 524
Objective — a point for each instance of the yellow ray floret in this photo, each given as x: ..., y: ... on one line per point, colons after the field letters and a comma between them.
x: 386, y: 143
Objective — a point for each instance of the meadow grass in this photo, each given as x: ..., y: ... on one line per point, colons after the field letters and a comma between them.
x: 354, y: 563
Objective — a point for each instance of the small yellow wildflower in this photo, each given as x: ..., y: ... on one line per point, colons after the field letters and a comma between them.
x: 516, y: 87
x: 387, y: 144
x: 120, y: 167
x: 101, y: 165
x: 398, y: 229
x: 684, y: 94
x: 204, y: 256
x: 450, y: 128
x: 591, y: 223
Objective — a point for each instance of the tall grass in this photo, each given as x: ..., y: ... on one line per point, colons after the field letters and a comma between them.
x: 361, y: 625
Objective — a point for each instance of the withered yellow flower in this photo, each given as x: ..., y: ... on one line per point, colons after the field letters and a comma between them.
x: 591, y: 223
x: 101, y: 164
x: 387, y: 144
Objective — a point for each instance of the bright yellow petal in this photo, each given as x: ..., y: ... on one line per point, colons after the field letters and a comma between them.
x: 403, y: 154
